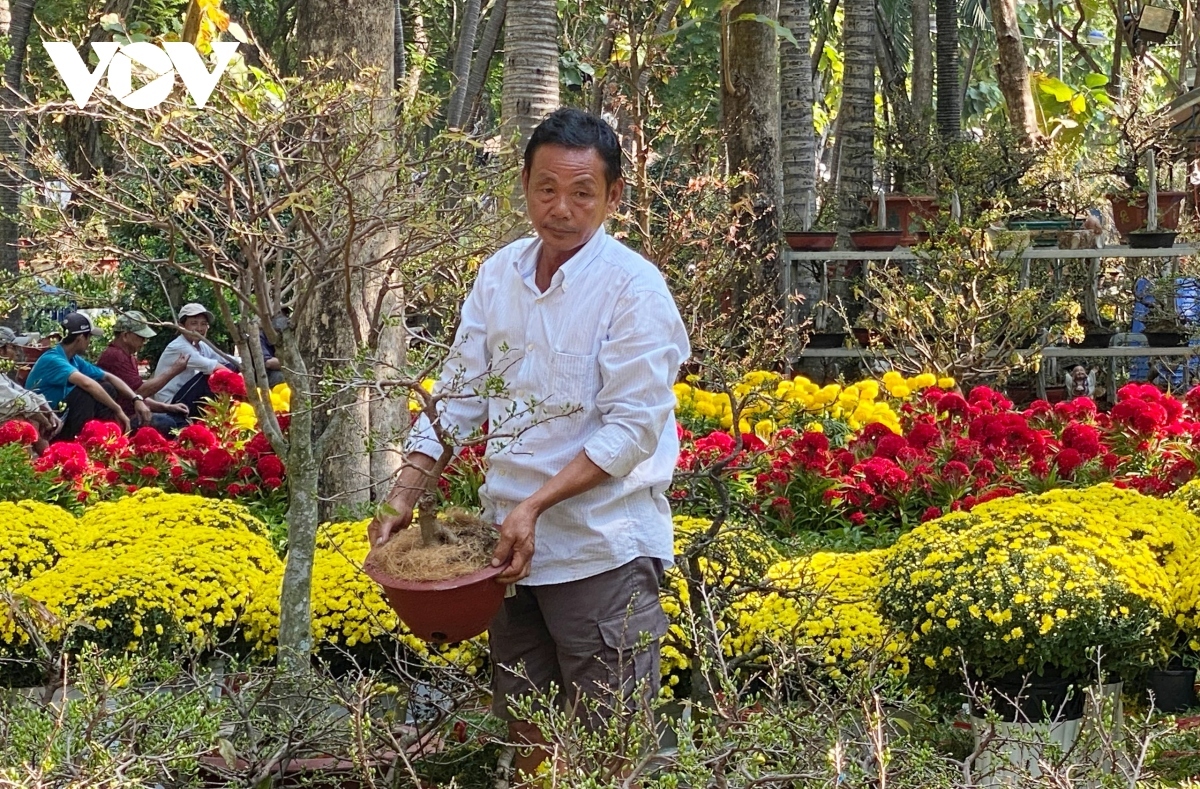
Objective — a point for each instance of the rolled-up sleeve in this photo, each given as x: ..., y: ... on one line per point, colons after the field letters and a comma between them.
x: 639, y: 361
x: 462, y: 382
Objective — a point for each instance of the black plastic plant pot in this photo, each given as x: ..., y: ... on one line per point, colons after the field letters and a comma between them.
x: 1034, y: 699
x: 1173, y: 690
x: 1152, y: 239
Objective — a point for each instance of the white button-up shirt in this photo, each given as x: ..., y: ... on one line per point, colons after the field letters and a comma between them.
x: 201, y: 359
x: 587, y: 365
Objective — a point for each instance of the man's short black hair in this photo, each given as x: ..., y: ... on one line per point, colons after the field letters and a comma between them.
x: 572, y: 128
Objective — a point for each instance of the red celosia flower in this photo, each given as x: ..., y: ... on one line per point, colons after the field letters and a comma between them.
x: 199, y: 435
x: 69, y: 458
x: 226, y: 382
x: 1068, y: 460
x: 149, y: 472
x: 858, y: 518
x: 147, y: 439
x: 1084, y: 439
x: 18, y: 432
x: 270, y: 466
x: 233, y: 490
x: 103, y: 436
x: 274, y: 483
x: 258, y: 446
x: 215, y: 464
x: 930, y: 513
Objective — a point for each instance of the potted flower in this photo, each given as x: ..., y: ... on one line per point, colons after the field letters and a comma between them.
x: 1021, y: 591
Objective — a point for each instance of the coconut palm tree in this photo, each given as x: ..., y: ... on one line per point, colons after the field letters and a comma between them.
x: 797, y: 145
x: 530, y: 89
x: 857, y: 122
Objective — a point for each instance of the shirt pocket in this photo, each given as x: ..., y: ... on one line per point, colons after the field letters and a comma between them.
x: 571, y: 380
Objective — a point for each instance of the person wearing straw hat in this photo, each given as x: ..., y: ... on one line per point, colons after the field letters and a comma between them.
x: 80, y: 390
x: 130, y: 332
x: 190, y: 387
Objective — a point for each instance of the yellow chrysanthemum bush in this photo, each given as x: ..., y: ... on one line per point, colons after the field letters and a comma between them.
x: 825, y: 605
x: 1035, y: 583
x: 153, y: 510
x: 171, y: 588
x: 162, y: 570
x: 349, y: 611
x: 772, y: 401
x: 729, y: 565
x: 32, y: 537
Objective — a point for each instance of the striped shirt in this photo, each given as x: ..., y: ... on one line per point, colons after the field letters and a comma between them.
x: 587, y: 365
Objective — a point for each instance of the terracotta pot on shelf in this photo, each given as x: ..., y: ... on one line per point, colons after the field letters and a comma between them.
x: 1129, y: 211
x: 442, y: 612
x: 876, y: 240
x: 811, y: 240
x: 902, y: 211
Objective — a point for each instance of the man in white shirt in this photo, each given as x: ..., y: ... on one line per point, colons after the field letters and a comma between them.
x: 189, y: 387
x: 588, y: 342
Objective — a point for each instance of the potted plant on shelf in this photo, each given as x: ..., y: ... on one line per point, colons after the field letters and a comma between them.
x: 1144, y: 142
x: 811, y: 232
x: 912, y: 214
x: 875, y: 239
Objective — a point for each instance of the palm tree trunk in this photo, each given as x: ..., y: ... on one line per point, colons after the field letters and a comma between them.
x: 797, y: 144
x: 462, y: 64
x: 856, y: 166
x: 483, y: 60
x: 922, y: 63
x: 530, y: 90
x: 949, y: 99
x: 20, y: 21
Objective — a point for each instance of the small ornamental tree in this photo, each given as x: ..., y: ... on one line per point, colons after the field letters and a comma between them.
x: 255, y: 194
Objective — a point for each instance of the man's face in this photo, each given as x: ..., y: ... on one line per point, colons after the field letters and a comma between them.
x: 1079, y: 374
x: 197, y: 324
x: 566, y: 196
x: 134, y: 342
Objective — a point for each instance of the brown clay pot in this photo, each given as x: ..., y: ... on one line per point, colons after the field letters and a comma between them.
x: 1129, y: 212
x: 876, y: 240
x: 902, y: 209
x: 811, y: 241
x: 442, y: 612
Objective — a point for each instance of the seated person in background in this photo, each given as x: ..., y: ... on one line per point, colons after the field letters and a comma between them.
x: 17, y: 402
x: 80, y: 390
x: 270, y: 361
x: 190, y: 387
x: 130, y: 333
x: 1080, y: 382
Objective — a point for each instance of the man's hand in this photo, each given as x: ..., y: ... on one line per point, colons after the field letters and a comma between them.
x: 122, y: 420
x: 176, y: 408
x: 516, y: 543
x: 397, y: 513
x: 178, y: 366
x: 143, y: 412
x: 391, y: 517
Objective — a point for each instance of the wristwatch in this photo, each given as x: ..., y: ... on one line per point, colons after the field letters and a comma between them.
x: 137, y: 398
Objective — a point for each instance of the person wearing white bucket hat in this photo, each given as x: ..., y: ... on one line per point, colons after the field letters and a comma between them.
x: 190, y: 387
